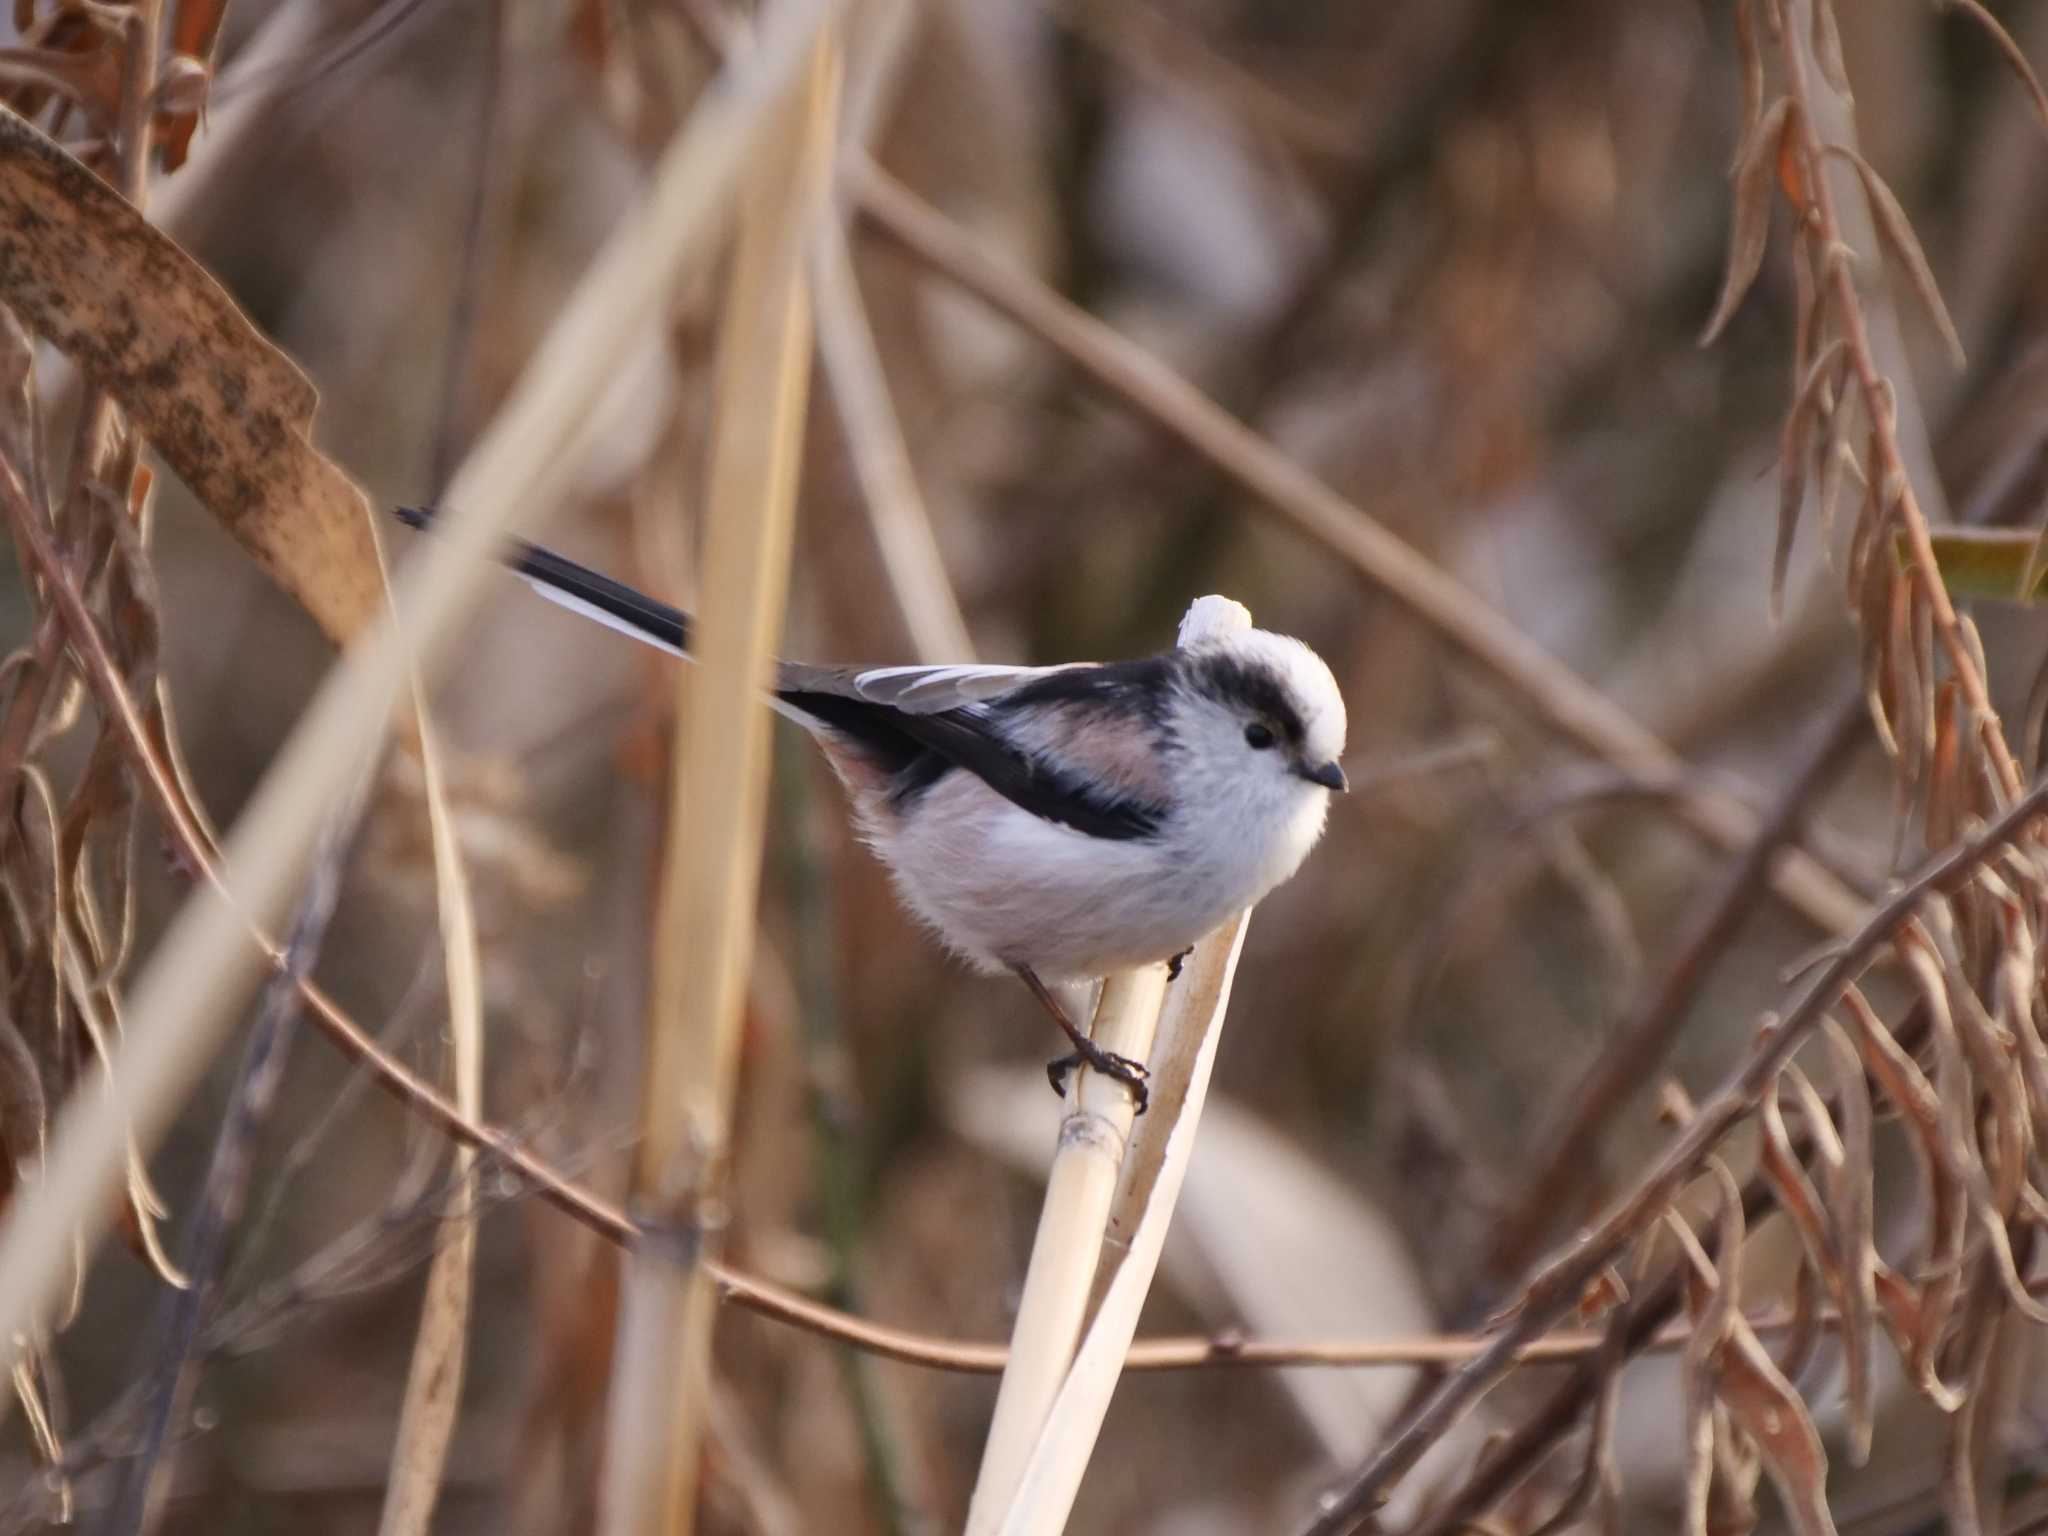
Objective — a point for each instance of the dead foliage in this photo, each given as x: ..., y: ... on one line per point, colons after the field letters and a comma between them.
x: 1858, y: 1204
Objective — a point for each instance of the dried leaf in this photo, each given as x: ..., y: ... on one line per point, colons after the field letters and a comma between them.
x: 1751, y: 60
x: 1873, y: 618
x: 2013, y: 54
x: 1732, y: 1511
x: 1945, y: 808
x: 1750, y: 224
x: 1973, y: 642
x: 1797, y: 1197
x: 1794, y: 451
x: 1837, y: 462
x: 1807, y: 311
x: 1907, y: 693
x: 1916, y: 1321
x: 1763, y: 1403
x: 1918, y: 1332
x: 2014, y: 1000
x: 1852, y: 1203
x: 1962, y: 1468
x: 1989, y: 1205
x: 1897, y: 231
x: 218, y: 403
x: 1921, y: 610
x: 1872, y: 517
x: 1825, y: 1252
x: 1802, y: 1338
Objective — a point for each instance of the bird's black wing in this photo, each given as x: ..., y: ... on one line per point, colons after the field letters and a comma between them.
x: 919, y: 747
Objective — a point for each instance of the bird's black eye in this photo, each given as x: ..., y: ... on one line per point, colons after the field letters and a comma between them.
x: 1259, y: 736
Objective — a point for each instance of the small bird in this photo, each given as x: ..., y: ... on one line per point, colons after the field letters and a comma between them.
x: 1058, y: 822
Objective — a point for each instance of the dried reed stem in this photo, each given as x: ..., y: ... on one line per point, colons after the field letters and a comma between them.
x: 1156, y: 1166
x: 433, y: 1386
x: 1072, y: 1225
x: 881, y: 458
x: 718, y: 804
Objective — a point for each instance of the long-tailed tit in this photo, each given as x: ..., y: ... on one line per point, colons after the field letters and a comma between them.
x: 1059, y: 822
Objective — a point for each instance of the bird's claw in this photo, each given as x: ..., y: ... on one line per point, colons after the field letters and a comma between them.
x: 1132, y: 1074
x: 1173, y: 966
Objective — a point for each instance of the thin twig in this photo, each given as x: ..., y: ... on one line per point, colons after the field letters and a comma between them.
x: 169, y: 1379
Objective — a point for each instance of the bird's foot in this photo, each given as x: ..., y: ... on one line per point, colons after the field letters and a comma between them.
x: 1173, y: 966
x: 1132, y: 1074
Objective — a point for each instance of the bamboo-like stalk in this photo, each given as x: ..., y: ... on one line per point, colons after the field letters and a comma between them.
x: 1089, y: 1195
x: 1071, y: 1226
x: 881, y: 459
x: 718, y: 802
x: 184, y: 999
x: 1189, y: 1030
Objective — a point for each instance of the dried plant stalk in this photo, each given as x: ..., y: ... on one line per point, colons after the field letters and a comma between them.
x: 1072, y: 1226
x: 433, y: 1388
x: 1189, y: 1030
x: 718, y: 804
x: 881, y: 459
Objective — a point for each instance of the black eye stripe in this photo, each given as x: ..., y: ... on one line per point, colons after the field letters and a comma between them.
x: 1250, y: 687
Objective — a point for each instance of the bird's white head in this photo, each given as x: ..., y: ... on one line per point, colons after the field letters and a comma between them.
x: 1258, y: 726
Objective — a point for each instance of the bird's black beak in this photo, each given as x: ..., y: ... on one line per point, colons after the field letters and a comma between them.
x: 1329, y: 775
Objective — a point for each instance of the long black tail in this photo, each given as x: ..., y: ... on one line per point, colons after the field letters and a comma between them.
x: 582, y: 590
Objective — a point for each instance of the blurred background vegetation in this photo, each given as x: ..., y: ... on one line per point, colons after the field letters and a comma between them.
x: 1453, y: 258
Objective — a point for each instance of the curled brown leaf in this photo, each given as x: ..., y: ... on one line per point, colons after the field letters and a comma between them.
x: 2014, y: 54
x: 1896, y: 230
x: 222, y: 406
x: 1795, y: 452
